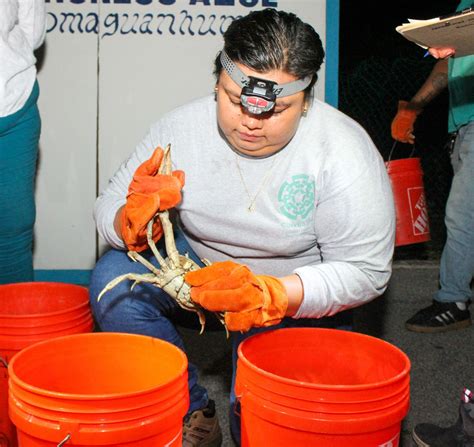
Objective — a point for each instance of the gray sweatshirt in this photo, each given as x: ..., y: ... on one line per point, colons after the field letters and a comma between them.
x: 321, y: 208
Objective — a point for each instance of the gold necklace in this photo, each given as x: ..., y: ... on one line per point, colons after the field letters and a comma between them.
x: 266, y: 178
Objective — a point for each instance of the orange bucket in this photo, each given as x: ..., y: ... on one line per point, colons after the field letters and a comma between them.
x: 321, y: 387
x: 31, y: 312
x: 107, y: 389
x: 406, y: 178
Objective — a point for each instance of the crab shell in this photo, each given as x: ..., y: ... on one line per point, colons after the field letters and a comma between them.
x: 175, y: 285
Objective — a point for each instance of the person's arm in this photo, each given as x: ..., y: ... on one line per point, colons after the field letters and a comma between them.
x: 109, y: 205
x: 436, y: 82
x: 118, y: 221
x: 294, y: 291
x: 355, y: 226
x: 32, y: 21
x: 403, y: 124
x: 135, y: 194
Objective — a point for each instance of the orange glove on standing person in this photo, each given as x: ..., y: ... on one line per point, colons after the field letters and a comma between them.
x: 248, y: 300
x: 403, y: 123
x: 148, y: 193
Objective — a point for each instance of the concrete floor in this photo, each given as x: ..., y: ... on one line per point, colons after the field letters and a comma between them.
x: 442, y: 364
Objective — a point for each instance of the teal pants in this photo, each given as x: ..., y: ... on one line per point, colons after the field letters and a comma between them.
x: 19, y: 136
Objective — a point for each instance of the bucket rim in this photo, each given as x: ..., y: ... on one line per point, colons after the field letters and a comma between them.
x: 403, y: 161
x: 310, y: 385
x: 18, y: 343
x: 324, y: 423
x: 103, y: 396
x: 36, y: 321
x: 45, y: 314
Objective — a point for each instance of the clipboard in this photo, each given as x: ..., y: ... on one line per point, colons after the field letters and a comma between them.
x: 453, y: 30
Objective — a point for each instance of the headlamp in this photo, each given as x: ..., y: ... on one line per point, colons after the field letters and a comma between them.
x: 259, y: 95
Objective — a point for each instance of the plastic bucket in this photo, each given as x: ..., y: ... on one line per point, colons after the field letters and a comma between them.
x: 321, y: 387
x: 406, y: 178
x: 99, y: 389
x: 29, y: 313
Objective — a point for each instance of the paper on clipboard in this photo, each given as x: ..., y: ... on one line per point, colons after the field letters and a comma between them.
x: 455, y: 30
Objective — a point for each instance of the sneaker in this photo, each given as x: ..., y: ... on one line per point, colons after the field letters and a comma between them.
x: 461, y: 434
x: 439, y: 317
x: 201, y: 428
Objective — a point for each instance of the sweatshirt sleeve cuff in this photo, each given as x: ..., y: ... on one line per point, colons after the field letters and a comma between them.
x: 314, y: 300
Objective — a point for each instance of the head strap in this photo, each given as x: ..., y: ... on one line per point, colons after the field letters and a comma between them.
x: 258, y: 95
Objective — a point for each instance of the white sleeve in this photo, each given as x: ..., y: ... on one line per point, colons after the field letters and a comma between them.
x: 355, y: 224
x: 32, y: 21
x: 114, y: 195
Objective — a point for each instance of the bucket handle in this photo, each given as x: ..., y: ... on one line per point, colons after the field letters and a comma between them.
x: 66, y: 439
x: 393, y: 147
x: 236, y: 406
x: 3, y: 362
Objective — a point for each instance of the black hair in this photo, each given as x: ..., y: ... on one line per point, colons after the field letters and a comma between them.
x: 273, y: 40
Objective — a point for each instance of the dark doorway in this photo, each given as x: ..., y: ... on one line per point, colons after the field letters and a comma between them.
x: 377, y: 68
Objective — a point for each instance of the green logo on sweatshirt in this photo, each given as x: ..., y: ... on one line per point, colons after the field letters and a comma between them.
x: 296, y: 197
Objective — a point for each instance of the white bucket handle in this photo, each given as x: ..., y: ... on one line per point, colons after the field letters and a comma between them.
x: 393, y: 147
x: 66, y: 439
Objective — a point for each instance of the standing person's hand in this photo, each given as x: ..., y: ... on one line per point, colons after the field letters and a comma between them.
x: 403, y: 123
x: 442, y: 52
x: 247, y: 300
x: 148, y: 193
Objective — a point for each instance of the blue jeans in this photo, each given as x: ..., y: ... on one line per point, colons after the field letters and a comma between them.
x: 149, y: 311
x: 457, y: 260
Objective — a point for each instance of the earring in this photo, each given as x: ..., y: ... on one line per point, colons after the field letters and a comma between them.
x: 305, y: 109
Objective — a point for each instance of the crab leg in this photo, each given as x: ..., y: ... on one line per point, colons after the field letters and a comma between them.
x: 173, y: 255
x: 165, y: 167
x: 138, y: 257
x: 137, y: 278
x: 172, y: 252
x: 151, y: 243
x: 170, y: 244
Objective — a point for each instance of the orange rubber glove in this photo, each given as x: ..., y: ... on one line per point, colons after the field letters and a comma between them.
x: 148, y: 193
x: 247, y: 300
x: 403, y: 123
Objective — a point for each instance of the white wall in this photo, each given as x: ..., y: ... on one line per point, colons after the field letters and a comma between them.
x: 110, y: 69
